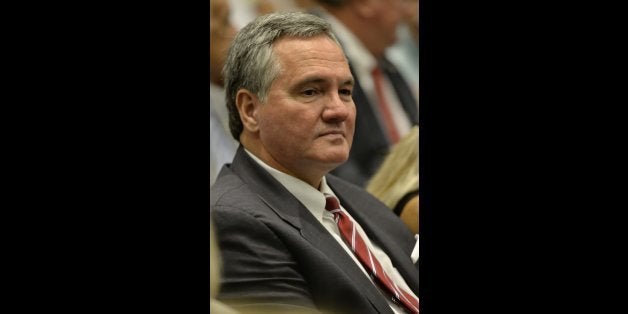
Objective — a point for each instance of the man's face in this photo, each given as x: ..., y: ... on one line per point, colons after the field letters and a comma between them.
x: 307, y: 122
x: 389, y: 14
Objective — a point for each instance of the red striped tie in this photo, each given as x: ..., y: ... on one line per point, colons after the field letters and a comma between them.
x: 358, y: 246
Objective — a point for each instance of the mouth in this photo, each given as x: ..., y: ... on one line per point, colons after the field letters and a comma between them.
x: 333, y: 133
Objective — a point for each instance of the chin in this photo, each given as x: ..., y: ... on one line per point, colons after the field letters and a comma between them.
x: 330, y: 156
x: 330, y: 153
x: 336, y: 159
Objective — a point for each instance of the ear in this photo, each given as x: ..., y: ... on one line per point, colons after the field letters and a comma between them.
x: 248, y: 106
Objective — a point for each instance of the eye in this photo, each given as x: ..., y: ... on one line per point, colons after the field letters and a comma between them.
x: 310, y: 92
x: 345, y: 92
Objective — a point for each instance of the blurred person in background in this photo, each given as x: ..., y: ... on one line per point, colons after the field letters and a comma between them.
x: 405, y: 53
x: 396, y: 183
x: 244, y: 11
x: 386, y: 106
x: 221, y: 32
x: 293, y: 5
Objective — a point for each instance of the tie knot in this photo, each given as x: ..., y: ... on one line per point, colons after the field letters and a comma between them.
x: 332, y: 202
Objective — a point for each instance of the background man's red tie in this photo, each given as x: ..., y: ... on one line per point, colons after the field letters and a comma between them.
x: 358, y: 246
x: 384, y: 107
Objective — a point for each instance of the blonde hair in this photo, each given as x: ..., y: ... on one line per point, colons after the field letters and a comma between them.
x: 398, y: 175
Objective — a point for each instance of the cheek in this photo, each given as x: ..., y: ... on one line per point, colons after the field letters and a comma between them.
x: 350, y: 130
x: 276, y: 129
x: 351, y: 119
x: 269, y: 125
x: 288, y: 123
x: 281, y: 138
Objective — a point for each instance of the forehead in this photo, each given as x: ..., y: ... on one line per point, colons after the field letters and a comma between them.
x: 298, y: 54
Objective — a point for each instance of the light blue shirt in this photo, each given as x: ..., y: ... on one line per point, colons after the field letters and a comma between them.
x: 405, y: 56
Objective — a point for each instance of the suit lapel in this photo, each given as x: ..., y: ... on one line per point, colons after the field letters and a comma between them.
x: 270, y: 191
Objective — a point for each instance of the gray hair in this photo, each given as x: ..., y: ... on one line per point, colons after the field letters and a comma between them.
x: 251, y: 63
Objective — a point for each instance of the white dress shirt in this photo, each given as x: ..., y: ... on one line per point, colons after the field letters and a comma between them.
x: 314, y: 200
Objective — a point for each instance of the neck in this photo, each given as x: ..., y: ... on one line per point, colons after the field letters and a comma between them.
x: 311, y: 176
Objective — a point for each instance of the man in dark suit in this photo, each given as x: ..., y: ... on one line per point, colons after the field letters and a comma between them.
x: 293, y: 238
x: 386, y: 106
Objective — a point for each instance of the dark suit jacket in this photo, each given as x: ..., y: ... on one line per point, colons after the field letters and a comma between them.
x: 276, y: 252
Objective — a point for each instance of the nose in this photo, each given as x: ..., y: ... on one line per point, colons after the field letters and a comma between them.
x: 337, y: 108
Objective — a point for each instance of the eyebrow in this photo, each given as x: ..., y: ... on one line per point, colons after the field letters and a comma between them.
x: 318, y: 80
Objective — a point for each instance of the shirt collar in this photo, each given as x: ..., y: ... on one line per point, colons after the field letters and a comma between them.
x: 311, y: 198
